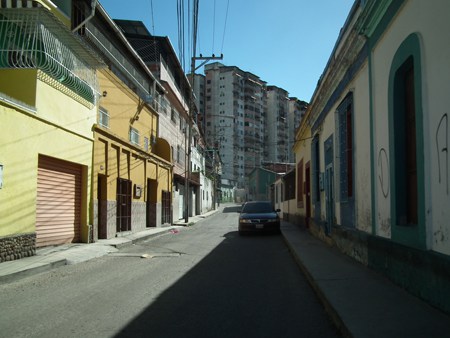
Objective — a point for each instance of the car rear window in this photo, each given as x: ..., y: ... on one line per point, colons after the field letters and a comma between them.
x: 257, y: 207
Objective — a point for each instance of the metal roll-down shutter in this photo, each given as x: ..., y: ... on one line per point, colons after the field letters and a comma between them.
x: 58, y: 206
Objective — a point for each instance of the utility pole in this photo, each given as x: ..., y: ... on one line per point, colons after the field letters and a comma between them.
x: 205, y: 59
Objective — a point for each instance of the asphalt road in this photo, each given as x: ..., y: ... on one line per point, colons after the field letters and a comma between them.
x: 203, y: 281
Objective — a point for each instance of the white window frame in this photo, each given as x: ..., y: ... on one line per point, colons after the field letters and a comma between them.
x: 103, y: 117
x: 134, y: 136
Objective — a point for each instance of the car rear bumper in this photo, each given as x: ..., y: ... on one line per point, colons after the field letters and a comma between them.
x: 263, y: 227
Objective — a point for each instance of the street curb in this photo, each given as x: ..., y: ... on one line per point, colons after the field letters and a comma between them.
x: 144, y: 238
x: 42, y: 267
x: 123, y: 242
x: 334, y: 315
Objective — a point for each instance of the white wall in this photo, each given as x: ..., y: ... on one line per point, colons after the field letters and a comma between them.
x: 361, y: 144
x: 429, y: 20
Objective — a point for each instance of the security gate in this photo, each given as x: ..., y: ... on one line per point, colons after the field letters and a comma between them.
x: 166, y: 207
x: 123, y: 205
x: 58, y: 202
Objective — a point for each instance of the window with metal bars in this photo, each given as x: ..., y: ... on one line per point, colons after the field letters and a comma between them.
x: 123, y: 196
x: 166, y: 204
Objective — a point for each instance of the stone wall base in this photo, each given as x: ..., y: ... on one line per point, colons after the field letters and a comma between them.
x: 17, y: 247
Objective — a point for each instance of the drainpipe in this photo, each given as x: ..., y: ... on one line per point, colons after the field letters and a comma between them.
x: 93, y: 5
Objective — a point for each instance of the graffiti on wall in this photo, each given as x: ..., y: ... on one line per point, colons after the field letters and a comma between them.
x: 442, y: 150
x: 383, y: 172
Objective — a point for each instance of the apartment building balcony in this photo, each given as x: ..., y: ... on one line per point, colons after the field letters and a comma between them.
x: 34, y: 38
x: 143, y: 85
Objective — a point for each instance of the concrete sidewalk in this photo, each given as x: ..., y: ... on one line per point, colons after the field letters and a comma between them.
x: 361, y: 302
x: 52, y: 257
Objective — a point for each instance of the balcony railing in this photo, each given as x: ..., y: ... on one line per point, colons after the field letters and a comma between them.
x: 126, y: 71
x: 34, y: 38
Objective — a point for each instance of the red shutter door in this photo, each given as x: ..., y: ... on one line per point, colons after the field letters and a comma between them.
x: 58, y: 205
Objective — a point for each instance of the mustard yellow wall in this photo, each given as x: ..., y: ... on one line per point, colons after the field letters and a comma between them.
x: 110, y: 155
x: 137, y: 173
x: 164, y: 183
x: 114, y: 155
x: 302, y: 150
x: 152, y: 171
x: 122, y: 105
x: 19, y: 84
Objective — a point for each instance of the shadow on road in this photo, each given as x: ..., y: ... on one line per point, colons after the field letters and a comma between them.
x: 246, y: 287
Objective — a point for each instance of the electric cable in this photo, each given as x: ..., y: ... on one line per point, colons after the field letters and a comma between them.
x: 153, y: 19
x: 214, y: 27
x: 225, y: 26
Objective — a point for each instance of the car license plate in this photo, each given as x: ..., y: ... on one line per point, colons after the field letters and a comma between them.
x: 259, y: 226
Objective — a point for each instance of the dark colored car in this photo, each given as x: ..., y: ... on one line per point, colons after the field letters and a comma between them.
x: 259, y: 216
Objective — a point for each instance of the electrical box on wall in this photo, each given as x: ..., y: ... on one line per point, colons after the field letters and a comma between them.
x: 1, y: 176
x: 137, y: 191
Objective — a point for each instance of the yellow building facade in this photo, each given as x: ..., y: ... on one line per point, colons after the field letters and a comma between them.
x: 303, y: 172
x: 47, y: 109
x: 132, y: 169
x: 80, y: 152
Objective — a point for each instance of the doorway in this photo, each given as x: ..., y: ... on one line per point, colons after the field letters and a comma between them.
x: 102, y: 207
x: 329, y: 184
x: 151, y: 203
x: 307, y: 193
x: 123, y: 205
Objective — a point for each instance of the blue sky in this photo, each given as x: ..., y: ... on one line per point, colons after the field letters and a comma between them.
x: 286, y: 43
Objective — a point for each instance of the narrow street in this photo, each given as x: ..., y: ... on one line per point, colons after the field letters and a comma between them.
x: 203, y: 281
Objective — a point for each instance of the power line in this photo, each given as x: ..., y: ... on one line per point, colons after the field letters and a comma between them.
x: 153, y: 19
x: 181, y: 34
x: 214, y: 27
x: 195, y: 28
x: 225, y: 25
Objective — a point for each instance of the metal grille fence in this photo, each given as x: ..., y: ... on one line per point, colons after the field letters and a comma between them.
x: 30, y: 38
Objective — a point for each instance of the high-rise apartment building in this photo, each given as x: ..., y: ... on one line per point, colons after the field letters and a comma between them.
x: 234, y: 119
x: 276, y: 146
x: 198, y: 86
x: 249, y: 122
